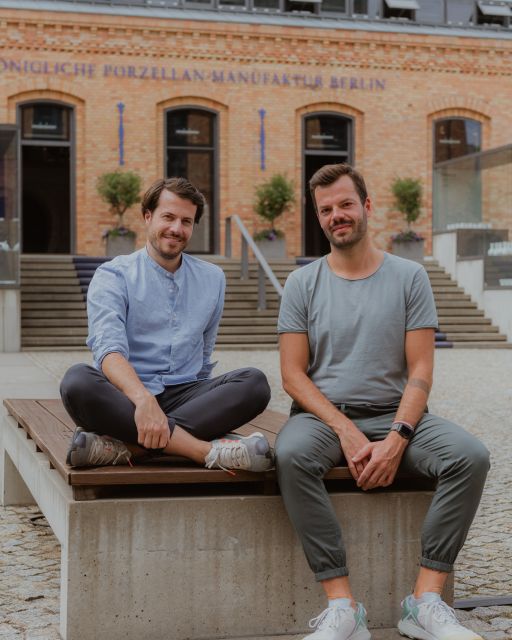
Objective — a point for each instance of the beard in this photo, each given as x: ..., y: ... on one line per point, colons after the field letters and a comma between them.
x: 350, y: 239
x: 154, y: 240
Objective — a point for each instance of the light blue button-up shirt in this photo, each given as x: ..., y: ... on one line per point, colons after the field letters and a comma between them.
x: 163, y: 323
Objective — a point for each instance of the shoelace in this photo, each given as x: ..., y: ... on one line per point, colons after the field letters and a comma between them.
x: 330, y: 617
x: 232, y: 456
x: 102, y: 451
x: 443, y: 614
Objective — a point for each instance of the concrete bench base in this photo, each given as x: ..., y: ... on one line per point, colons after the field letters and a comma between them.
x: 205, y: 567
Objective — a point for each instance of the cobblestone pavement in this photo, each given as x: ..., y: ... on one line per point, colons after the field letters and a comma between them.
x: 472, y: 387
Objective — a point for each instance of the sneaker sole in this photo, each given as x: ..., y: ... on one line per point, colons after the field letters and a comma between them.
x: 412, y: 631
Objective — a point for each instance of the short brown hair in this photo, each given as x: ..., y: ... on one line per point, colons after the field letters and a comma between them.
x: 179, y: 186
x: 329, y: 173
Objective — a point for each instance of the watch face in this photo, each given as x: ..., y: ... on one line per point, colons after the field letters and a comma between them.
x: 403, y: 429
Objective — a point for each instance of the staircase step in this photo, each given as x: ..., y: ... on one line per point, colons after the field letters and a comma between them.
x: 58, y: 321
x: 464, y: 320
x: 269, y: 330
x: 40, y: 306
x: 237, y: 338
x: 54, y: 331
x: 482, y: 345
x: 469, y: 312
x: 468, y: 328
x: 53, y: 341
x: 486, y: 337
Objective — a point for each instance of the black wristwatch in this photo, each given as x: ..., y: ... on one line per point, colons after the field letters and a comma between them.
x: 404, y: 429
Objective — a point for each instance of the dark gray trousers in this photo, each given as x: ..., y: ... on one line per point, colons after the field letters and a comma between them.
x: 439, y: 450
x: 207, y: 408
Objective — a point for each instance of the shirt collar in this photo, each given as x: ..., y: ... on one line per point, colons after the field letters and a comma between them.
x: 159, y: 269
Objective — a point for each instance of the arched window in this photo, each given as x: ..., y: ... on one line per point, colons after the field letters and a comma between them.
x: 456, y: 137
x: 191, y: 153
x: 327, y: 140
x: 46, y: 173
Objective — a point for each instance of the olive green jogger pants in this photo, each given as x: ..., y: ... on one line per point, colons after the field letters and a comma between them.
x: 439, y: 450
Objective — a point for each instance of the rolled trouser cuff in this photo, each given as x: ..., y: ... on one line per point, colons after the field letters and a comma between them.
x: 436, y: 565
x: 341, y: 572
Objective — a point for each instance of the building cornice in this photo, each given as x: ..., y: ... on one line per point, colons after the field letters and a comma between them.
x: 39, y: 33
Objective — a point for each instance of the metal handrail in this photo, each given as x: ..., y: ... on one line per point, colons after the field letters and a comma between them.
x: 263, y: 266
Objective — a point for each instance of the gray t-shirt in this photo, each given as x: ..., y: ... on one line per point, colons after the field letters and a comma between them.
x: 356, y: 328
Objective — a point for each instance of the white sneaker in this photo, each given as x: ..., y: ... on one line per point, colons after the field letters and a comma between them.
x: 340, y: 623
x: 429, y: 618
x: 252, y: 453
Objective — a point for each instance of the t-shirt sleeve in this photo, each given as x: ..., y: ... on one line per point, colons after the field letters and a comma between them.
x: 293, y: 317
x: 421, y: 307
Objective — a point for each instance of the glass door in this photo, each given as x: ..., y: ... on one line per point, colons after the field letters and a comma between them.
x: 46, y: 178
x: 327, y: 140
x: 191, y: 154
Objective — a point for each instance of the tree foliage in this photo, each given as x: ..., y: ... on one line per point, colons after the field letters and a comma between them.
x: 408, y: 193
x: 120, y: 190
x: 273, y: 198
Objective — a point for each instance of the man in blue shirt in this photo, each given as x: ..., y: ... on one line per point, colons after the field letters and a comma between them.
x: 153, y: 318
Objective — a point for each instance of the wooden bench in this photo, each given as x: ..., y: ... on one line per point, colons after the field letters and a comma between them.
x: 170, y: 549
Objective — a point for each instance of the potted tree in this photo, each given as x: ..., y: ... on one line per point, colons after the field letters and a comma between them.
x: 273, y: 198
x: 407, y: 243
x: 120, y: 190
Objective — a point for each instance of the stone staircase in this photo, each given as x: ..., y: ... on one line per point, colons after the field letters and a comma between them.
x: 53, y: 290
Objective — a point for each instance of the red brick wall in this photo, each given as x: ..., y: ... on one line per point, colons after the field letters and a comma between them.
x: 425, y: 77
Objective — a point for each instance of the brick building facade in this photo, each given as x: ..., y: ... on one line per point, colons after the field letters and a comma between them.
x: 231, y: 102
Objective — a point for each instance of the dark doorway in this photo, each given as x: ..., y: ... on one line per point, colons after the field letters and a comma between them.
x: 46, y: 178
x: 191, y: 153
x: 327, y: 140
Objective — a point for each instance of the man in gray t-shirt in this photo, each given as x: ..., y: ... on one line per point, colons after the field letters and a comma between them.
x: 357, y: 343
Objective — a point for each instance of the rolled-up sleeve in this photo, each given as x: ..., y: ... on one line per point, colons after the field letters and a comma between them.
x: 107, y: 305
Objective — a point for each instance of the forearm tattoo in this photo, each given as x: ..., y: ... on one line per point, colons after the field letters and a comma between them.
x: 420, y: 384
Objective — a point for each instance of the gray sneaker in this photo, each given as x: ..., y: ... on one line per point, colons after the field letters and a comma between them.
x: 251, y: 453
x: 91, y: 450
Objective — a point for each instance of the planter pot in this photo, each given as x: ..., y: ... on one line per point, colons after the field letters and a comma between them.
x: 272, y: 249
x: 412, y: 250
x: 120, y: 245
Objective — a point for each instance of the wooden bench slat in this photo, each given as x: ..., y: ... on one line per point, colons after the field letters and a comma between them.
x: 56, y: 408
x: 159, y: 474
x: 47, y: 431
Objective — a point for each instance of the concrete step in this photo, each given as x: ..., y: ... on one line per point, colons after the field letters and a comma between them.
x: 53, y: 341
x: 482, y: 345
x: 269, y: 330
x: 241, y: 339
x: 247, y: 346
x: 485, y: 336
x: 51, y: 306
x: 455, y: 304
x: 46, y: 289
x: 58, y: 321
x: 441, y: 297
x: 471, y: 311
x: 232, y: 312
x: 51, y: 297
x: 45, y: 281
x: 464, y: 320
x: 228, y: 321
x: 468, y: 328
x: 54, y: 331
